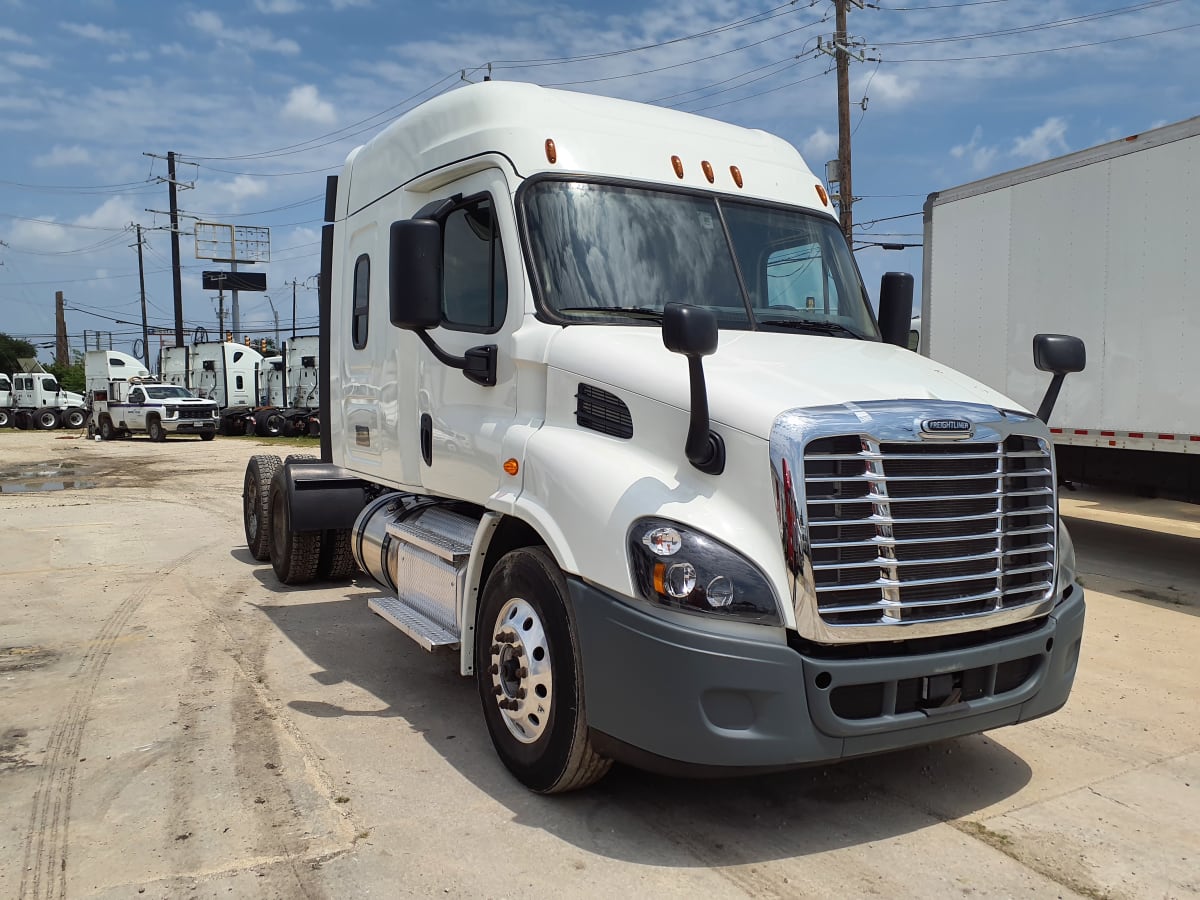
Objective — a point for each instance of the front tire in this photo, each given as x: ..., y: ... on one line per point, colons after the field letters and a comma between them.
x: 529, y: 675
x: 295, y: 555
x: 5, y: 418
x: 156, y: 431
x: 256, y: 503
x: 207, y: 435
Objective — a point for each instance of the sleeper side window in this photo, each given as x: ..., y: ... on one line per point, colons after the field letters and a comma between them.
x: 362, y: 293
x: 475, y: 280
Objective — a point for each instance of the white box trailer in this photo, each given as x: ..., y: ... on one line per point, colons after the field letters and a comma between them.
x: 1099, y: 243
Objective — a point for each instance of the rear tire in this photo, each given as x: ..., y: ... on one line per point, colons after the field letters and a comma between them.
x: 527, y: 658
x: 295, y: 555
x: 45, y: 419
x: 21, y: 420
x: 337, y: 560
x: 107, y: 432
x: 268, y: 423
x: 74, y: 417
x: 256, y: 503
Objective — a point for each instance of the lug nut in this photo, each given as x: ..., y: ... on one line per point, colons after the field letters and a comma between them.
x: 495, y: 670
x: 497, y: 690
x: 495, y: 649
x: 521, y: 693
x: 522, y: 672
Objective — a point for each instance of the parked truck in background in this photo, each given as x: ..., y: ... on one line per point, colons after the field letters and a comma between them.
x: 703, y: 512
x: 291, y: 392
x: 228, y: 373
x: 36, y: 400
x: 125, y: 399
x: 1100, y: 242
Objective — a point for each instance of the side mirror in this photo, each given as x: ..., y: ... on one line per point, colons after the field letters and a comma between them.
x: 692, y: 332
x: 895, y: 307
x: 1059, y: 354
x: 415, y: 274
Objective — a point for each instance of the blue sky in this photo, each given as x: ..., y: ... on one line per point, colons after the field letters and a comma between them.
x: 262, y: 98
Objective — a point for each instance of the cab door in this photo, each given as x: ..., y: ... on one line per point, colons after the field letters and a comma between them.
x: 135, y: 409
x: 461, y: 423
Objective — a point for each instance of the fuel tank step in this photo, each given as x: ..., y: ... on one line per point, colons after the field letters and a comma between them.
x: 423, y: 629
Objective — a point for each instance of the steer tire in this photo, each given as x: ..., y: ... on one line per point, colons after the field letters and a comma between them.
x: 207, y: 435
x: 6, y: 418
x: 256, y: 503
x: 155, y: 429
x: 74, y: 417
x: 527, y: 655
x: 295, y: 555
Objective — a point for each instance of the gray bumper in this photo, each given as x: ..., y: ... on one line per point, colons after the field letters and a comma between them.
x: 189, y: 426
x: 670, y: 697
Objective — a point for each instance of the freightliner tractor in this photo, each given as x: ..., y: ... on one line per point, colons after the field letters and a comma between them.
x: 609, y: 417
x: 36, y: 400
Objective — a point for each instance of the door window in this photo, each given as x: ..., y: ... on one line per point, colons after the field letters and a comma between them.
x: 362, y: 294
x: 475, y: 280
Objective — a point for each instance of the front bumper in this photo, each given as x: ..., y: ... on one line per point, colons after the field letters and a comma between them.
x: 189, y: 426
x: 664, y: 696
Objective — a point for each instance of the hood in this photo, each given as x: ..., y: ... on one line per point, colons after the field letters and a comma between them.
x: 754, y: 375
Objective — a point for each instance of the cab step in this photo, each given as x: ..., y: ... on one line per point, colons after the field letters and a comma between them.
x: 423, y: 629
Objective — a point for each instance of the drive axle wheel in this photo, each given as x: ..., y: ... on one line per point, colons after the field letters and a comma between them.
x: 529, y: 675
x: 74, y: 417
x: 295, y: 555
x: 46, y: 419
x: 256, y: 509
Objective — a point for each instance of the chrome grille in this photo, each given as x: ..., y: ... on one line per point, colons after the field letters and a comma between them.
x: 904, y: 532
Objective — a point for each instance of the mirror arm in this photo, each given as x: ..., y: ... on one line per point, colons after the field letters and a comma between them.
x: 1051, y: 397
x: 478, y: 365
x: 705, y: 448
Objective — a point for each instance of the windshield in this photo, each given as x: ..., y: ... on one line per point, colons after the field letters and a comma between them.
x: 167, y: 392
x: 607, y: 253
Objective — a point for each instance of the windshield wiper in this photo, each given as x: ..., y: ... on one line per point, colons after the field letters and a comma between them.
x: 633, y: 312
x: 816, y: 325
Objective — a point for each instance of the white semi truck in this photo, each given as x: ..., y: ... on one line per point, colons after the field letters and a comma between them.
x: 125, y: 399
x: 291, y: 384
x: 610, y: 419
x: 228, y: 373
x: 36, y: 400
x: 1099, y: 242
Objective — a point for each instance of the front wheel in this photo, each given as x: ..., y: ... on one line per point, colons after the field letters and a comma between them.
x: 207, y: 435
x: 5, y: 418
x: 74, y: 417
x: 529, y: 674
x: 156, y: 431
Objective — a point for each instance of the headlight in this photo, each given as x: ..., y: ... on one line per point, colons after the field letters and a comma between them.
x: 1066, y: 560
x: 170, y: 412
x: 677, y: 567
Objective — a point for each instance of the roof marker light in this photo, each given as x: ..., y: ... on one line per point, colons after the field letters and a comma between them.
x: 551, y: 152
x: 708, y: 171
x: 677, y: 165
x: 824, y: 196
x: 737, y: 175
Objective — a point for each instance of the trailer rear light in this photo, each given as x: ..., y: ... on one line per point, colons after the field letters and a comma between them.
x: 551, y: 151
x: 677, y: 165
x: 824, y: 196
x: 708, y: 171
x: 737, y: 175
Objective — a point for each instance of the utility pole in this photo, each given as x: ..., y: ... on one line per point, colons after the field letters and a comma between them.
x: 293, y: 306
x: 142, y: 289
x: 843, y: 49
x: 60, y: 331
x: 176, y: 274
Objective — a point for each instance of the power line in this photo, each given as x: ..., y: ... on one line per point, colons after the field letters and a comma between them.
x: 1129, y: 37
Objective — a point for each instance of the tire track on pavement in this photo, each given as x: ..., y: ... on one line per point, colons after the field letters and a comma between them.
x: 44, y: 868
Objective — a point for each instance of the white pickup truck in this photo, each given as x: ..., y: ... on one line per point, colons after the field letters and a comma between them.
x: 124, y: 399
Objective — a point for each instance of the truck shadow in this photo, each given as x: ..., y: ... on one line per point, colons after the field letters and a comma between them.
x: 631, y: 815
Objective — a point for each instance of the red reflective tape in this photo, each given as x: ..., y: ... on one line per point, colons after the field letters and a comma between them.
x: 1166, y: 437
x: 1136, y: 434
x: 1056, y: 431
x: 1195, y: 437
x: 1081, y: 431
x: 1108, y: 434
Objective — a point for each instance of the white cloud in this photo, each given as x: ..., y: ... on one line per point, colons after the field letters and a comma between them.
x: 1045, y: 141
x: 248, y: 38
x: 305, y: 103
x: 975, y: 152
x: 819, y: 147
x: 93, y: 32
x: 139, y: 56
x: 115, y: 212
x: 346, y: 4
x: 7, y: 34
x: 278, y: 7
x: 888, y: 88
x: 63, y: 156
x: 27, y: 61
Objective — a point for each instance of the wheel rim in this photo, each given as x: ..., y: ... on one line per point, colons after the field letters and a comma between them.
x: 522, y: 681
x: 252, y: 511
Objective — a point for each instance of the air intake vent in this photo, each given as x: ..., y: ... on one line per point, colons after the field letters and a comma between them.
x: 601, y: 411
